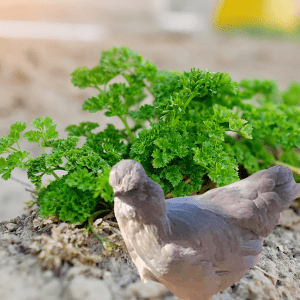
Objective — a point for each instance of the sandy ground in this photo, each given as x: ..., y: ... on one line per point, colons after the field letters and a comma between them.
x: 35, y: 80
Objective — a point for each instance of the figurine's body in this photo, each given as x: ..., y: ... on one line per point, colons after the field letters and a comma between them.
x: 199, y: 245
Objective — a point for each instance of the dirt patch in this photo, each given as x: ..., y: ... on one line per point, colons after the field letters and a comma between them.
x: 47, y: 259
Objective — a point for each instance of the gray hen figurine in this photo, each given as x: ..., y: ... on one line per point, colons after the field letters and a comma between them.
x: 199, y: 245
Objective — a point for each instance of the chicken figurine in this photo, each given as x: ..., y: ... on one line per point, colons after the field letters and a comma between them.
x: 198, y: 245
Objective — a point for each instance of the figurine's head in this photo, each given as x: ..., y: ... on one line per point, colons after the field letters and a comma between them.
x: 125, y: 176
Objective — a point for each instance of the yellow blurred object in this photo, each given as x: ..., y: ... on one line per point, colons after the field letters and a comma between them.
x: 268, y: 14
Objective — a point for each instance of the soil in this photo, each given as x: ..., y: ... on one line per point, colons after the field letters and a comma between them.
x: 47, y: 259
x: 35, y: 262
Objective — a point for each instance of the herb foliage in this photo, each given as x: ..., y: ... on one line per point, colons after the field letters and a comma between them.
x: 191, y: 116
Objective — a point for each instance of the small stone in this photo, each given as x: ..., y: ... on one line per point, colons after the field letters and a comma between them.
x: 30, y: 264
x: 106, y: 274
x: 85, y: 288
x: 11, y: 226
x: 75, y: 271
x: 280, y: 248
x: 48, y: 274
x: 96, y: 272
x: 7, y: 270
x: 11, y: 262
x: 125, y: 281
x: 52, y: 289
x: 12, y: 249
x: 270, y: 267
x: 10, y: 238
x: 150, y: 290
x: 280, y: 254
x: 3, y: 254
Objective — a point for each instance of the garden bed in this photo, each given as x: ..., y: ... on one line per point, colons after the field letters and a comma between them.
x: 38, y: 260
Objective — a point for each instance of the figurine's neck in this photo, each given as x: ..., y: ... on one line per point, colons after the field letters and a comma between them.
x: 148, y: 214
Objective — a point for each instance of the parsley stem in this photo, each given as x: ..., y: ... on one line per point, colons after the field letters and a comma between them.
x: 96, y: 234
x: 188, y: 101
x: 97, y: 213
x: 294, y: 169
x: 18, y: 145
x: 127, y: 128
x: 90, y: 223
x: 204, y: 166
x: 184, y: 107
x: 148, y: 88
x: 13, y: 148
x: 56, y: 177
x: 97, y: 87
x: 43, y: 148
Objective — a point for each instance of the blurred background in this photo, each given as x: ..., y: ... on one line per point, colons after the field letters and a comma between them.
x: 43, y: 41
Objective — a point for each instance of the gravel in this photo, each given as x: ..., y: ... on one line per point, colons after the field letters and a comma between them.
x: 24, y: 276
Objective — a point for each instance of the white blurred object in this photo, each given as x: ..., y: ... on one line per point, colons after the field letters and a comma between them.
x: 52, y: 31
x: 159, y: 6
x: 180, y: 21
x: 184, y: 16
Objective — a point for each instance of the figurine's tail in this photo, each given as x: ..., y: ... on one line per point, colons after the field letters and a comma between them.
x: 272, y: 191
x: 285, y: 186
x: 277, y: 189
